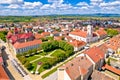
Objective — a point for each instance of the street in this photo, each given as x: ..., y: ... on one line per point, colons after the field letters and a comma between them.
x: 21, y: 73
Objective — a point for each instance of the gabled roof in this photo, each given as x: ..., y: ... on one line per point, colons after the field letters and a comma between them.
x: 38, y: 36
x: 114, y: 43
x: 77, y: 43
x: 112, y: 69
x: 79, y: 33
x: 77, y: 67
x: 95, y: 54
x: 14, y: 38
x: 18, y: 45
x: 101, y: 32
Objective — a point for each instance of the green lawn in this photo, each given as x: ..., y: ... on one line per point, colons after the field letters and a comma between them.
x: 31, y: 58
x: 44, y: 58
x: 58, y: 52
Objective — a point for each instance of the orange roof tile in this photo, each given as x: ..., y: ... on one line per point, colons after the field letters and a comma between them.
x: 38, y: 36
x: 101, y: 32
x: 114, y: 43
x: 95, y: 53
x: 77, y: 43
x: 79, y: 33
x: 77, y: 67
x: 3, y: 74
x: 45, y: 33
x: 18, y: 45
x: 58, y: 37
x: 102, y: 76
x: 110, y: 68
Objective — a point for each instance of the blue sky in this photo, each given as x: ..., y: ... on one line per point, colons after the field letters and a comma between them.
x: 47, y: 7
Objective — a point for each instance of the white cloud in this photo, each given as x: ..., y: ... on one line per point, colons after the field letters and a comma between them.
x: 96, y: 2
x: 82, y: 4
x: 13, y: 6
x: 84, y: 8
x: 32, y: 5
x: 20, y: 7
x: 46, y: 6
x: 55, y: 1
x: 109, y: 4
x: 11, y: 1
x: 56, y: 6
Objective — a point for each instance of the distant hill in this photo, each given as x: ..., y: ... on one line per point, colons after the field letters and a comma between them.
x: 91, y: 15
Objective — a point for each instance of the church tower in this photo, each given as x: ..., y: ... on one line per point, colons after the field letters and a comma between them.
x: 89, y: 33
x: 89, y: 30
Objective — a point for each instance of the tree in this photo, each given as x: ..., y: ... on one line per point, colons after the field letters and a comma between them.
x: 62, y: 44
x: 111, y: 32
x: 2, y: 36
x: 22, y: 59
x: 34, y: 50
x: 28, y: 65
x: 55, y: 44
x: 50, y: 38
x: 40, y: 31
x: 44, y: 46
x: 61, y: 57
x: 47, y: 65
x: 68, y: 47
x: 44, y: 39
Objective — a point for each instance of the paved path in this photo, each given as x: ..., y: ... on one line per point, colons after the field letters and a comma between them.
x: 43, y: 56
x: 36, y: 59
x: 53, y: 76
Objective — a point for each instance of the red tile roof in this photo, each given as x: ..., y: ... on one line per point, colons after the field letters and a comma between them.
x: 14, y: 38
x: 18, y: 45
x: 38, y: 36
x: 103, y: 48
x: 77, y: 67
x: 3, y: 74
x: 9, y: 34
x: 58, y: 38
x: 79, y: 33
x: 77, y: 43
x: 102, y: 76
x: 101, y: 32
x: 45, y: 33
x: 112, y: 69
x: 95, y: 53
x: 114, y: 43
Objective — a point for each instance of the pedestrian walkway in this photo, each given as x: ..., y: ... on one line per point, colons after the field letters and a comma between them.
x: 49, y: 55
x: 36, y: 59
